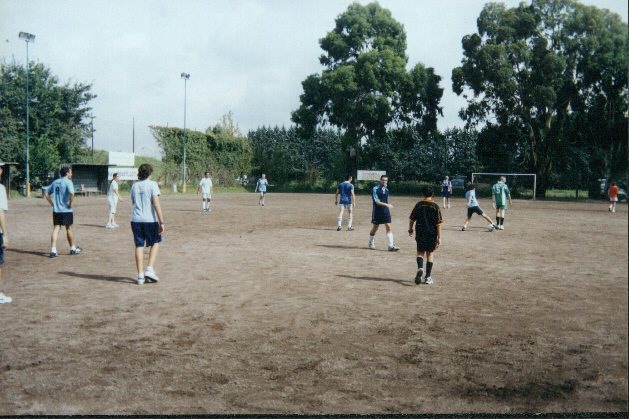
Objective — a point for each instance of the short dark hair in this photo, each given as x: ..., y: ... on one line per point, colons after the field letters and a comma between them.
x: 348, y: 176
x: 206, y: 173
x: 383, y: 176
x: 114, y: 175
x: 64, y: 170
x: 144, y: 171
x: 427, y: 191
x: 471, y: 186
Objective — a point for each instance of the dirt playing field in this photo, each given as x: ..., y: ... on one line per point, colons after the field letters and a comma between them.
x: 272, y: 310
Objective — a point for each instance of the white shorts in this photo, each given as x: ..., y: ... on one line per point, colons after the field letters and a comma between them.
x: 206, y: 196
x: 113, y: 203
x: 345, y: 206
x: 613, y: 199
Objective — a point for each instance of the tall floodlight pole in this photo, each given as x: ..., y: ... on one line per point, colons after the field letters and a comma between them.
x: 27, y: 37
x: 185, y: 77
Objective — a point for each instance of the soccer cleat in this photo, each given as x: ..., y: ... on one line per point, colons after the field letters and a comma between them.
x: 393, y: 248
x: 338, y: 228
x: 75, y: 251
x: 150, y: 275
x: 502, y: 227
x: 115, y: 225
x: 350, y: 228
x: 372, y: 246
x: 53, y: 254
x: 464, y: 228
x: 140, y: 279
x: 418, y: 277
x: 109, y: 226
x: 429, y: 280
x: 5, y: 299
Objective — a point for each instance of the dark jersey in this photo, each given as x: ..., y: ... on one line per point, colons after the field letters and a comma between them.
x: 426, y: 215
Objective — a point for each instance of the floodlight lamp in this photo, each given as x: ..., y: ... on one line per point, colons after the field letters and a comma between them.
x: 185, y: 76
x: 28, y: 37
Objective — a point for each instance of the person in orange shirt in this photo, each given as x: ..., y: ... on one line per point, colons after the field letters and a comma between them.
x: 613, y: 197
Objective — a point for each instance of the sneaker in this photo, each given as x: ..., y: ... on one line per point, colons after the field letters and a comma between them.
x: 609, y: 209
x: 140, y: 279
x: 53, y: 254
x: 5, y: 299
x: 418, y: 277
x: 109, y: 226
x: 209, y: 210
x: 394, y: 248
x: 372, y: 246
x: 150, y: 275
x: 350, y: 228
x: 75, y: 251
x: 502, y: 227
x: 338, y: 228
x: 115, y: 225
x: 464, y: 228
x: 429, y: 280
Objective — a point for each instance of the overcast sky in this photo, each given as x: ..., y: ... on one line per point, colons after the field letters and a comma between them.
x: 244, y: 56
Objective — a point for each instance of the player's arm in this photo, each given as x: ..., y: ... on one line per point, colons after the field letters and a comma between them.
x: 118, y: 194
x: 439, y: 234
x: 411, y: 223
x: 336, y: 197
x: 257, y: 183
x: 71, y: 199
x: 353, y: 198
x: 47, y: 196
x: 3, y: 227
x: 158, y: 211
x: 198, y: 188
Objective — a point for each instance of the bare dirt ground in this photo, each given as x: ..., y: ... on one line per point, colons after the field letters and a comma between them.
x: 271, y: 310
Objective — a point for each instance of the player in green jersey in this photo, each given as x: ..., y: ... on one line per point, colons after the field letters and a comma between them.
x: 500, y: 195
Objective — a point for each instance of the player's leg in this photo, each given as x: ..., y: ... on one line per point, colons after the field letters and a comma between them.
x: 339, y: 218
x: 153, y: 238
x: 372, y: 236
x: 614, y: 205
x: 501, y: 224
x: 429, y: 260
x: 70, y: 235
x: 350, y: 220
x: 209, y: 201
x: 4, y: 299
x: 491, y: 225
x: 470, y: 211
x: 420, y: 265
x: 53, y: 240
x: 390, y: 241
x: 139, y: 265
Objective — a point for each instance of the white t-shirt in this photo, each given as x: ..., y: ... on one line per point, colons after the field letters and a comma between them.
x: 206, y: 185
x: 111, y: 192
x: 142, y: 193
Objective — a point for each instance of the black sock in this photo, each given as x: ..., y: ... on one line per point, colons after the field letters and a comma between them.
x: 428, y: 268
x: 502, y: 221
x: 420, y: 263
x: 498, y: 220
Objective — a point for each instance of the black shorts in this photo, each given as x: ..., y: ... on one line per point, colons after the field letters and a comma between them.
x: 472, y: 210
x: 380, y: 215
x: 62, y: 218
x: 426, y: 243
x: 1, y: 250
x: 145, y: 234
x: 446, y: 193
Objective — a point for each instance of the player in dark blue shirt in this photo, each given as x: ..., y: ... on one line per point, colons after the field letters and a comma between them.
x: 347, y: 202
x: 381, y: 214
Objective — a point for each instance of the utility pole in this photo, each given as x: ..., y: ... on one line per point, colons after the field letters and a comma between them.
x: 134, y: 135
x: 92, y: 127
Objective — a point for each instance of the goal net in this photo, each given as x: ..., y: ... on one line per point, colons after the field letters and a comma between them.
x: 521, y: 185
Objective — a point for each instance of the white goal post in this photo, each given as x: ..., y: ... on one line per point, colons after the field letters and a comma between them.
x: 511, y: 174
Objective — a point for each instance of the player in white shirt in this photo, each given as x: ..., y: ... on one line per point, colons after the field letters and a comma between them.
x: 4, y: 240
x: 205, y: 188
x: 261, y: 187
x: 112, y: 200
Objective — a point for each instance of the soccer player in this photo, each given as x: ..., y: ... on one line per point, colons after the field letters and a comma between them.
x: 613, y: 197
x: 381, y: 214
x: 426, y: 217
x: 473, y: 207
x: 205, y: 187
x: 500, y: 194
x: 446, y: 191
x: 261, y: 187
x: 60, y: 196
x: 112, y: 200
x: 347, y: 202
x: 147, y: 222
x: 4, y: 240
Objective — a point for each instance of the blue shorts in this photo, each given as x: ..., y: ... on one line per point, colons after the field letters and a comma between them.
x: 474, y: 210
x: 445, y: 193
x: 145, y: 234
x: 380, y: 215
x: 1, y: 250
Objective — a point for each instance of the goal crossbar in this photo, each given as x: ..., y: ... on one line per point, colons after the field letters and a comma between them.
x: 512, y: 174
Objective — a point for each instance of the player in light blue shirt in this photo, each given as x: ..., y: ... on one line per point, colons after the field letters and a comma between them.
x: 347, y: 202
x: 474, y: 208
x: 261, y: 187
x: 147, y: 222
x: 60, y: 196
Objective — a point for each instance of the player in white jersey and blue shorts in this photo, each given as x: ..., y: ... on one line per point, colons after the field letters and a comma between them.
x: 60, y: 196
x: 147, y: 222
x: 347, y: 202
x: 474, y: 208
x: 261, y: 187
x: 205, y: 188
x: 381, y: 214
x: 446, y: 191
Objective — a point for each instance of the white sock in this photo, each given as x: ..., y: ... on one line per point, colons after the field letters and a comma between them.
x: 390, y: 239
x: 372, y: 239
x: 339, y: 221
x: 53, y: 250
x: 72, y: 247
x: 349, y: 223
